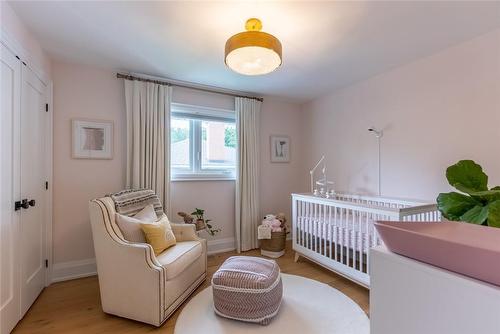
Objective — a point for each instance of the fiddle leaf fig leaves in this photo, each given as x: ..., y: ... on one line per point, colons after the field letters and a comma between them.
x: 476, y: 215
x: 494, y: 214
x: 487, y: 196
x: 454, y: 205
x: 476, y: 204
x: 467, y: 176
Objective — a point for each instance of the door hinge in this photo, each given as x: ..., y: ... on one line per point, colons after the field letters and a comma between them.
x: 46, y: 263
x: 46, y: 185
x: 46, y: 107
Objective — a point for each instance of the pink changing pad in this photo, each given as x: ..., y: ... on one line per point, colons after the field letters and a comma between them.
x: 467, y: 249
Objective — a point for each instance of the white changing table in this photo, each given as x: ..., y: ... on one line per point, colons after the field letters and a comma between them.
x: 411, y: 297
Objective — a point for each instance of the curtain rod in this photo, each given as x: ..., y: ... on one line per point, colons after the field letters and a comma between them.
x: 166, y: 83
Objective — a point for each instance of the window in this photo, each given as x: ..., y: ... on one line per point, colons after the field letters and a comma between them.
x: 203, y: 143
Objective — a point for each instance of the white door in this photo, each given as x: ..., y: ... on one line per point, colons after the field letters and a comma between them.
x: 22, y: 177
x: 9, y: 223
x: 32, y: 221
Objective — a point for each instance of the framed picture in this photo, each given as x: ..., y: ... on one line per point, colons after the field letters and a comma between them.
x: 280, y: 148
x: 92, y: 139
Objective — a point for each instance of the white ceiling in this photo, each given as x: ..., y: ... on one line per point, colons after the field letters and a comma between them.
x: 326, y: 45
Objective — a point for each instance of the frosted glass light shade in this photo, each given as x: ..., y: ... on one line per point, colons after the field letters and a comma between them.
x: 253, y: 60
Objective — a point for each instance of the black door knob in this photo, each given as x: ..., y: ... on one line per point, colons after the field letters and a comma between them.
x: 31, y: 202
x: 25, y: 204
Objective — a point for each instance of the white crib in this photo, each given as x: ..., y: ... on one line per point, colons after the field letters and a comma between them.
x: 338, y: 232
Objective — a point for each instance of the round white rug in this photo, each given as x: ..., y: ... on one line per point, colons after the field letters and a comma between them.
x: 308, y: 307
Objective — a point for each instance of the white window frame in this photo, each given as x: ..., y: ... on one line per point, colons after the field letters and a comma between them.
x: 197, y: 114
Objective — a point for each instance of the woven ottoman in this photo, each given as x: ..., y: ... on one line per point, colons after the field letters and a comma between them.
x: 248, y: 289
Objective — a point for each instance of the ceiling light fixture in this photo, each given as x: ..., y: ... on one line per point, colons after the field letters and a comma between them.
x: 253, y: 52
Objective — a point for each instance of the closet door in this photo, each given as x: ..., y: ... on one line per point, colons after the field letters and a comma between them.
x: 9, y: 183
x: 32, y: 221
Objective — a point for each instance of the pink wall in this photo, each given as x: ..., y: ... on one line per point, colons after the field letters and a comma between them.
x: 87, y: 92
x: 215, y: 197
x: 15, y: 30
x: 83, y: 92
x: 279, y: 180
x: 434, y: 112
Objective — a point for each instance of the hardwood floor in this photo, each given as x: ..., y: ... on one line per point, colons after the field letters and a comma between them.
x: 74, y: 306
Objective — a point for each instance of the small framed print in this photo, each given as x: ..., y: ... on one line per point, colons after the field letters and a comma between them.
x: 92, y: 139
x: 280, y: 148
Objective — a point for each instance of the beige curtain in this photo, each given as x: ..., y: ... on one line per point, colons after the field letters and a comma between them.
x: 247, y: 181
x: 148, y: 137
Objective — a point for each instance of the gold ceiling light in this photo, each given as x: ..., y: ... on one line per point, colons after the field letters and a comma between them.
x: 253, y: 52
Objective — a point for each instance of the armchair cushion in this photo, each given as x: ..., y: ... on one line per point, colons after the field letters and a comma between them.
x: 177, y: 258
x: 131, y: 226
x: 159, y: 235
x: 147, y: 214
x: 184, y: 232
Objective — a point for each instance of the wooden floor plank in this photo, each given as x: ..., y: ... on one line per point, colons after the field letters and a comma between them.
x: 74, y: 306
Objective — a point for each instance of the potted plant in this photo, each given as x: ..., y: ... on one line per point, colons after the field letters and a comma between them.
x: 202, y: 223
x: 475, y: 203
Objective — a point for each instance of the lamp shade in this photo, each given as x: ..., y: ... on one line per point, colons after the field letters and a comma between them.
x: 253, y: 52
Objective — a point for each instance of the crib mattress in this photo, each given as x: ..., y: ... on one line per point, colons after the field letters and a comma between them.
x: 344, y: 232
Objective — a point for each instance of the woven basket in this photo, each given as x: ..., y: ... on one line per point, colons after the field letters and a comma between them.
x: 275, y: 244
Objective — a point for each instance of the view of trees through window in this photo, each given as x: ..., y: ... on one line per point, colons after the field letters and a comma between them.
x: 180, y: 142
x: 230, y: 137
x: 179, y: 134
x: 201, y: 147
x: 182, y: 133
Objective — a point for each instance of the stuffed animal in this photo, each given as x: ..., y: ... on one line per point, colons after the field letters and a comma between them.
x: 269, y: 217
x: 272, y: 222
x: 281, y: 217
x: 188, y: 219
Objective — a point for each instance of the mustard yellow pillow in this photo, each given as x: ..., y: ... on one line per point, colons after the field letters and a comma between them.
x: 159, y: 235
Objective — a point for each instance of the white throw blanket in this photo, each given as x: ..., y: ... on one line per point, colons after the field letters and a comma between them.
x: 263, y: 232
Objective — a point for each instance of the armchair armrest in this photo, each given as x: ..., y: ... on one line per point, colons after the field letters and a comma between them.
x: 184, y: 232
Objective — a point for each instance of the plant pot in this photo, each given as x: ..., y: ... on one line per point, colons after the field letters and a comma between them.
x: 200, y: 224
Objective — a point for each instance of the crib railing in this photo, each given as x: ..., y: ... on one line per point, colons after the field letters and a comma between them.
x: 338, y: 232
x: 387, y: 202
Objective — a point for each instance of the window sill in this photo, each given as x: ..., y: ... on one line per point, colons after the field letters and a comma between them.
x: 203, y: 179
x: 200, y: 178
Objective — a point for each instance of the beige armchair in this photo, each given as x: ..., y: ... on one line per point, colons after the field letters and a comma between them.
x: 133, y: 282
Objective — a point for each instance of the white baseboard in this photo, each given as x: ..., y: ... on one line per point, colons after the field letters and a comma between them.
x: 65, y: 271
x: 220, y: 245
